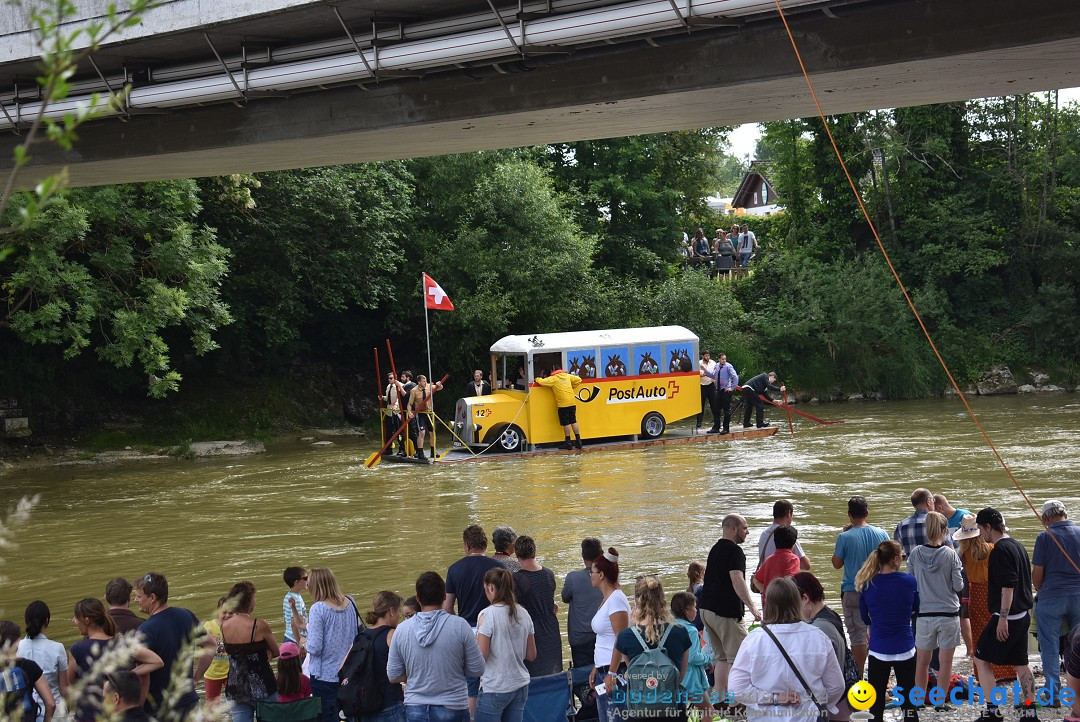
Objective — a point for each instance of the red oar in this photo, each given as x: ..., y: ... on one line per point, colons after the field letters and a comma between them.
x: 374, y: 458
x: 378, y: 377
x: 800, y: 413
x: 790, y: 425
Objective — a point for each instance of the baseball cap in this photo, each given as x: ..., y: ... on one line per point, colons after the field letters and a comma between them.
x: 1053, y: 506
x: 288, y: 650
x: 991, y: 516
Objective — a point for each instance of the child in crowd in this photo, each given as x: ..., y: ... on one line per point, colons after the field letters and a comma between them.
x: 293, y: 607
x: 696, y: 684
x: 292, y: 683
x: 409, y: 607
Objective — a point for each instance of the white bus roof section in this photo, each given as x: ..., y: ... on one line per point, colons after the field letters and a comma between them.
x: 590, y: 339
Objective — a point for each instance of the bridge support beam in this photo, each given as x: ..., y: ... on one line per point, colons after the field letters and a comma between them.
x: 881, y: 53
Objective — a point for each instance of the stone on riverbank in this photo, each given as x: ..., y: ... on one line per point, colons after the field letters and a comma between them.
x: 323, y: 443
x: 998, y: 380
x: 226, y: 448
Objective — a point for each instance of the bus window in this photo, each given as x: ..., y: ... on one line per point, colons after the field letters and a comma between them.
x: 582, y: 362
x: 679, y: 357
x: 545, y: 363
x: 514, y: 372
x: 647, y: 359
x: 614, y: 360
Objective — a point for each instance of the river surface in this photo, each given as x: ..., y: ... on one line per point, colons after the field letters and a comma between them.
x: 209, y: 523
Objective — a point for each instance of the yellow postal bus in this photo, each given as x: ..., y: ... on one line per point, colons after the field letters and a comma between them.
x: 634, y: 381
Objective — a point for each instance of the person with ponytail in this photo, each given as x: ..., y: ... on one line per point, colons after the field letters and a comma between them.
x: 888, y: 599
x: 652, y: 621
x: 49, y: 655
x: 99, y: 631
x: 382, y: 621
x: 507, y: 638
x: 251, y: 645
x: 610, y: 620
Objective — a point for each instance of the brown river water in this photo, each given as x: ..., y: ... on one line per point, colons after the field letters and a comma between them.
x: 209, y: 523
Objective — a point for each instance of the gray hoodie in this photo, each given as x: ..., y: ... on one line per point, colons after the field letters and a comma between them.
x: 436, y: 651
x: 937, y: 571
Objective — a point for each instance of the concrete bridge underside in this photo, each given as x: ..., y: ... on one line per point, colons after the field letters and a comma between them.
x: 883, y: 53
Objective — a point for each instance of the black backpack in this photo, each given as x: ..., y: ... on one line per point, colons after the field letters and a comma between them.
x: 360, y: 686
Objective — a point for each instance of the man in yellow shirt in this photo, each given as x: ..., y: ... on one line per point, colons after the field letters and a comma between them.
x: 562, y: 385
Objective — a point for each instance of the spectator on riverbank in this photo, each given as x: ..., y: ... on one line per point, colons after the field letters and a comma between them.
x: 953, y: 515
x: 217, y: 674
x: 695, y: 681
x: 764, y: 679
x: 293, y: 608
x: 725, y: 597
x: 937, y: 569
x: 250, y: 645
x: 611, y: 618
x: 911, y: 532
x: 781, y: 563
x: 888, y: 598
x: 1058, y: 583
x: 122, y: 690
x: 534, y: 587
x: 118, y: 597
x: 503, y: 539
x: 99, y: 632
x: 783, y: 511
x: 434, y: 653
x: 506, y: 636
x: 1009, y: 599
x: 584, y: 599
x: 464, y: 587
x: 383, y: 620
x: 49, y: 655
x: 332, y: 626
x: 853, y: 547
x: 166, y: 632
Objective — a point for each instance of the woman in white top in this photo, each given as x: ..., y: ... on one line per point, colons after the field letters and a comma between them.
x: 505, y: 635
x: 763, y: 680
x: 612, y: 617
x: 49, y: 655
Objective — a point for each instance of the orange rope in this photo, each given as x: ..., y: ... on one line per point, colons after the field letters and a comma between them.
x: 903, y: 289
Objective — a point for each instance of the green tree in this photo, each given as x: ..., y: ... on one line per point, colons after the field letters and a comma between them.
x: 787, y: 144
x: 320, y: 249
x: 638, y: 192
x: 518, y: 263
x: 114, y: 268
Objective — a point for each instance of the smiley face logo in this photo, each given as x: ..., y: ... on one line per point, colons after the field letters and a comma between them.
x: 861, y: 695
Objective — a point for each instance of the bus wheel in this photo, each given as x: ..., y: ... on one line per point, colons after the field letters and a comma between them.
x: 653, y: 425
x: 511, y: 439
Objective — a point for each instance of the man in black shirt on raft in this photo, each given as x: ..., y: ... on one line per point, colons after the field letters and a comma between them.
x: 752, y: 391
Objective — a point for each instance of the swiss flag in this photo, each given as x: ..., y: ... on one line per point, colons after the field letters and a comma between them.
x: 435, y: 297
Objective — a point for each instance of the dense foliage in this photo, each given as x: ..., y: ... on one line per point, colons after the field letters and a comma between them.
x: 977, y: 203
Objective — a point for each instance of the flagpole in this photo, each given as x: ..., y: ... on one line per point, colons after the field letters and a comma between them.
x: 427, y: 331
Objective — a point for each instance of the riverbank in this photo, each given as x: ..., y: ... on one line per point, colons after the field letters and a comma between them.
x: 94, y: 426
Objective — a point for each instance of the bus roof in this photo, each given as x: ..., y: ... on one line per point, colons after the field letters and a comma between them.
x: 587, y: 339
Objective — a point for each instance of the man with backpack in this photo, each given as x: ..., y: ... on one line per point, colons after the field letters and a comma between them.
x: 20, y: 678
x: 434, y: 652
